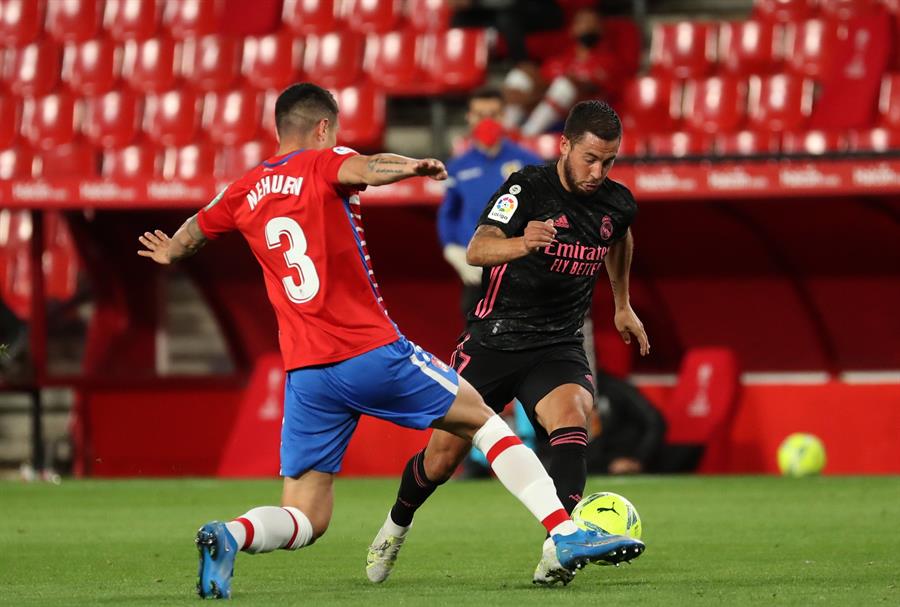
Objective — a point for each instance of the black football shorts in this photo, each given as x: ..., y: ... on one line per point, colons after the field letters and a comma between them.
x: 529, y: 375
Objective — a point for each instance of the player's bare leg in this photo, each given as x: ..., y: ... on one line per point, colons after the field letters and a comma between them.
x: 520, y: 471
x: 564, y: 414
x: 306, y: 506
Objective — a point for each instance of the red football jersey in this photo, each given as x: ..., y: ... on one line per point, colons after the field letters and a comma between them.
x: 306, y: 232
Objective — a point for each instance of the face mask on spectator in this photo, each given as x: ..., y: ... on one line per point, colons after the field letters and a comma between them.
x: 487, y: 132
x: 589, y: 39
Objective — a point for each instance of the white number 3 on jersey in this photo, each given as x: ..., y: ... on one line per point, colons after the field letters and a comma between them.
x: 295, y: 257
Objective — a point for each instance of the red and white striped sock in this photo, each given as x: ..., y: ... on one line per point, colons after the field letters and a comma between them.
x: 521, y: 472
x: 269, y: 528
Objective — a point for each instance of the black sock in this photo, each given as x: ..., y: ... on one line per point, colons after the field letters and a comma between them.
x: 567, y: 465
x: 415, y: 488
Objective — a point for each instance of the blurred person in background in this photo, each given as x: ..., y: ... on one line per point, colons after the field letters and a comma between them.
x: 512, y: 19
x: 629, y: 431
x: 474, y: 176
x: 598, y: 61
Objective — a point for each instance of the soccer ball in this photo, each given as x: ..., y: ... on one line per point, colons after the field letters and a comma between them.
x: 801, y: 455
x: 608, y: 513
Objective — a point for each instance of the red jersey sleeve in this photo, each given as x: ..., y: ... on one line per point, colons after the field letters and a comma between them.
x: 330, y: 162
x: 216, y: 218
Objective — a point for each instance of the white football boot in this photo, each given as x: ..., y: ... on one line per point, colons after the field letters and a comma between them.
x: 549, y: 571
x: 383, y: 552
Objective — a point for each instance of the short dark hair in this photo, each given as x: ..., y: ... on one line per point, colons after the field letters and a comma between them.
x: 595, y: 117
x: 302, y: 106
x: 487, y: 92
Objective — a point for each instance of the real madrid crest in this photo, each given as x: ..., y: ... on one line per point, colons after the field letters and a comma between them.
x: 606, y: 228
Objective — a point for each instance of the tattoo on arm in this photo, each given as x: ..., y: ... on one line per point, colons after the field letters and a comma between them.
x: 384, y: 164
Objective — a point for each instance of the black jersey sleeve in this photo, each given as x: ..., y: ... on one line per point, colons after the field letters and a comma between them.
x: 509, y: 208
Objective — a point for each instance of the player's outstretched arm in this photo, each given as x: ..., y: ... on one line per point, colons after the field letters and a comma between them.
x: 491, y: 247
x: 618, y: 266
x: 164, y: 250
x: 382, y: 169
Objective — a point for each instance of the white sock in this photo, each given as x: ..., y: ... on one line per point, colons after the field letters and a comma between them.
x: 268, y: 528
x: 521, y: 472
x: 393, y: 528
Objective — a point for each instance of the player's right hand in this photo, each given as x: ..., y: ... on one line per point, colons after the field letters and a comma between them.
x: 157, y: 243
x: 431, y: 167
x: 539, y: 234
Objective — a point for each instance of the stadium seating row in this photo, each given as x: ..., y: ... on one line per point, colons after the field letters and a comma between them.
x: 178, y: 117
x: 399, y: 62
x: 690, y: 49
x: 23, y: 21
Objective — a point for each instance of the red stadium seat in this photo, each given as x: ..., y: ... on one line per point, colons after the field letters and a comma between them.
x: 715, y: 104
x: 306, y: 17
x: 49, y: 121
x: 132, y: 19
x: 231, y: 117
x: 191, y: 18
x: 171, y: 118
x: 784, y: 10
x: 371, y: 16
x: 814, y: 142
x: 148, y: 66
x: 188, y: 162
x: 780, y: 102
x: 111, y: 120
x: 428, y: 15
x: 129, y: 162
x: 889, y: 100
x: 362, y: 116
x: 10, y: 117
x: 750, y: 47
x: 75, y: 159
x: 234, y: 161
x: 394, y: 63
x: 678, y: 144
x: 747, y: 143
x: 334, y: 60
x: 73, y: 20
x: 685, y: 49
x: 877, y: 140
x: 632, y: 146
x: 651, y: 102
x: 20, y: 21
x: 268, y: 113
x: 33, y: 70
x: 808, y: 47
x: 458, y: 58
x: 90, y: 67
x: 546, y: 146
x: 847, y: 9
x: 272, y: 61
x: 16, y: 163
x: 211, y: 63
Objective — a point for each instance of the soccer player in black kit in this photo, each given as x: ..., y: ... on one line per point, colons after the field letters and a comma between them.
x: 542, y: 240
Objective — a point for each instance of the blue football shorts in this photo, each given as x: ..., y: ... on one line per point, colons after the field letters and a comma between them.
x: 398, y: 382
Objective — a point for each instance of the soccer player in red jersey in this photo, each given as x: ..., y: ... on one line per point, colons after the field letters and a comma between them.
x: 299, y: 211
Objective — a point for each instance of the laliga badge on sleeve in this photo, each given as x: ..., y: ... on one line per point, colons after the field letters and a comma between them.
x: 343, y: 150
x: 504, y: 208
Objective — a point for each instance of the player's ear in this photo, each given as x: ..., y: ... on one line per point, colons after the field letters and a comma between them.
x: 322, y: 129
x: 564, y: 145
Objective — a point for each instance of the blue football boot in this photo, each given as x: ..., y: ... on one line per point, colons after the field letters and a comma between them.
x: 577, y: 549
x: 218, y: 550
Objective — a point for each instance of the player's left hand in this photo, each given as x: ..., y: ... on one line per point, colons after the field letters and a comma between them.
x: 628, y: 324
x: 431, y: 167
x: 157, y: 243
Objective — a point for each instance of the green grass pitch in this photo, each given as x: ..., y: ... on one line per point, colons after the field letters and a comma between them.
x: 711, y: 541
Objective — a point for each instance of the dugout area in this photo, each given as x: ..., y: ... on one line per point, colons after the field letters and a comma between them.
x: 803, y: 290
